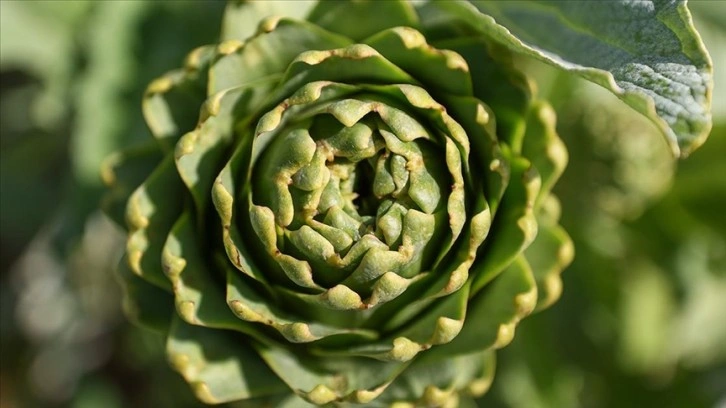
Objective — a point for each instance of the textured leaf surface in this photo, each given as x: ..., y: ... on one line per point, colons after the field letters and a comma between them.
x: 645, y: 52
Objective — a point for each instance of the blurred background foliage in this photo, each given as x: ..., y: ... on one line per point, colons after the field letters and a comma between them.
x: 640, y: 322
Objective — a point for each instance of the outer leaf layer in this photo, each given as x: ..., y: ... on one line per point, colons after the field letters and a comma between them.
x: 654, y: 60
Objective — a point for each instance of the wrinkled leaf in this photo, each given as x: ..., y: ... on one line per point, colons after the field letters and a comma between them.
x: 645, y: 52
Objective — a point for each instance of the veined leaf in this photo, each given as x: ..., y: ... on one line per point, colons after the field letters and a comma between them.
x: 646, y: 52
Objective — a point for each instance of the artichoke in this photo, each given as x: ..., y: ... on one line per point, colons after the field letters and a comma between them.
x: 339, y: 213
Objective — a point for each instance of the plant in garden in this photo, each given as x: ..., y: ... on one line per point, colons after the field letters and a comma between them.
x: 347, y: 210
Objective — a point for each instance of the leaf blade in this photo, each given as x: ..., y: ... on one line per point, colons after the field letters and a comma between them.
x: 653, y: 59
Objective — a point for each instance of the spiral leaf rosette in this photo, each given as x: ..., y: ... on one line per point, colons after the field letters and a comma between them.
x: 336, y: 213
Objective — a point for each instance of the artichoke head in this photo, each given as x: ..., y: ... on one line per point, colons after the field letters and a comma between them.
x: 337, y: 211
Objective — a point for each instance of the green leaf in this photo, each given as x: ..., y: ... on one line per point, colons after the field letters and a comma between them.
x: 514, y: 226
x: 324, y: 380
x: 198, y: 298
x: 486, y: 156
x: 497, y: 83
x: 645, y: 52
x: 440, y: 382
x: 344, y: 17
x: 274, y: 46
x: 172, y: 102
x: 219, y: 366
x: 123, y: 172
x: 549, y: 254
x: 494, y: 312
x: 241, y: 17
x: 199, y: 151
x: 143, y: 303
x: 101, y: 115
x: 353, y: 64
x: 543, y: 147
x: 38, y: 37
x: 151, y: 212
x: 439, y: 324
x: 440, y: 70
x: 256, y: 308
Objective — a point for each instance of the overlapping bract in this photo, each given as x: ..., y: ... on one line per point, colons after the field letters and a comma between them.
x: 346, y: 221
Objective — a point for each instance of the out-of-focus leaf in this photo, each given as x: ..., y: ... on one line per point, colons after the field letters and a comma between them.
x: 644, y: 297
x: 129, y: 43
x: 242, y: 17
x: 125, y: 44
x: 102, y: 113
x: 38, y: 37
x: 38, y: 56
x: 709, y: 18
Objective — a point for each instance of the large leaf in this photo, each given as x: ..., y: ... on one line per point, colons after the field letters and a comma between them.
x: 645, y: 52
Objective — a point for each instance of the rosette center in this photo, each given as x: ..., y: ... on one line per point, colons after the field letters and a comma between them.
x: 347, y: 190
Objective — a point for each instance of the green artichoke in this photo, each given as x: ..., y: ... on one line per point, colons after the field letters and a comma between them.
x: 335, y: 212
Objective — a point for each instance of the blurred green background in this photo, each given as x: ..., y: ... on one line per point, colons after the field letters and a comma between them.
x: 640, y: 323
